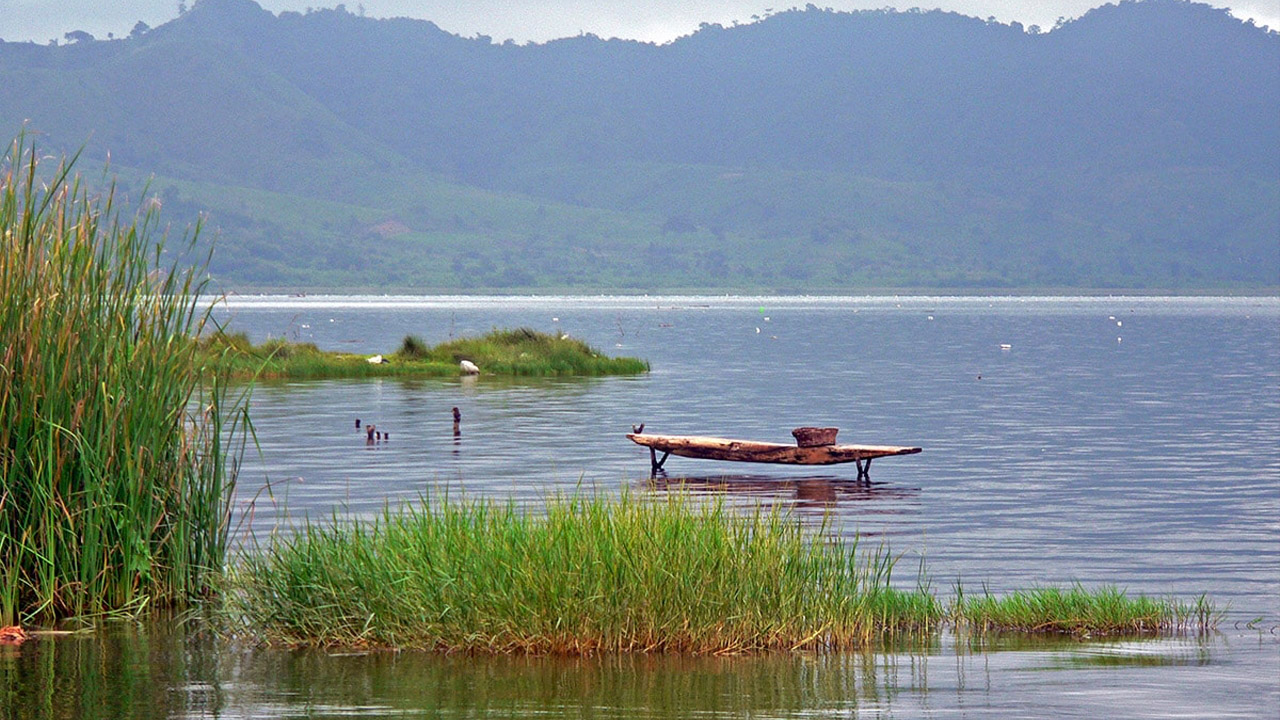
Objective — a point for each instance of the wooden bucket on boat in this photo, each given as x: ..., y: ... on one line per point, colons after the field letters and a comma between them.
x: 815, y: 436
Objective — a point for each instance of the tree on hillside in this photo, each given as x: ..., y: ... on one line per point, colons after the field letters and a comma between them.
x: 76, y: 36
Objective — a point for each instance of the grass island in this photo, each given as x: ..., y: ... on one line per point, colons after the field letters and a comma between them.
x: 521, y: 352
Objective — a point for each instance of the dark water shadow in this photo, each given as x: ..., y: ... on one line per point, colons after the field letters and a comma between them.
x: 820, y: 492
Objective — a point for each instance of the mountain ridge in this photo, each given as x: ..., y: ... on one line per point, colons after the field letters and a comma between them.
x: 1134, y: 146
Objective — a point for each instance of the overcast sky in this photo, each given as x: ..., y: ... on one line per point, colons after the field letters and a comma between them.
x: 538, y: 20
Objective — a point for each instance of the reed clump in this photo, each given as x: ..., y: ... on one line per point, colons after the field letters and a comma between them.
x: 521, y: 353
x: 587, y: 575
x: 115, y: 473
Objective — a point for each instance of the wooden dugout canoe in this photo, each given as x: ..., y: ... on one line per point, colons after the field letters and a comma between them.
x: 713, y: 448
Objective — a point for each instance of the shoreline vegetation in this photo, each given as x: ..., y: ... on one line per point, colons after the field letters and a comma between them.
x: 587, y: 575
x: 521, y: 352
x: 117, y: 456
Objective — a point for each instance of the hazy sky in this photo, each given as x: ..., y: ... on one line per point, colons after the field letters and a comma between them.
x: 521, y: 20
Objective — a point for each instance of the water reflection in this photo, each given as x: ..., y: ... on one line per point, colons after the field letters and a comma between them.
x: 1135, y: 654
x: 120, y: 671
x: 172, y: 670
x: 819, y: 493
x: 168, y: 671
x: 647, y: 686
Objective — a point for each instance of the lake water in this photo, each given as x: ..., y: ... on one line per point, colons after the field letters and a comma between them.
x: 1128, y: 441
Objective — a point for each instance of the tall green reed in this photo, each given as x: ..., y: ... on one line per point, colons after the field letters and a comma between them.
x: 116, y: 459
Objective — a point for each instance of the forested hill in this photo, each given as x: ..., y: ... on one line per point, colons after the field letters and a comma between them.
x: 1136, y: 146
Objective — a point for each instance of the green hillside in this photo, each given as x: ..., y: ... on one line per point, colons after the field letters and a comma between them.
x: 1134, y: 147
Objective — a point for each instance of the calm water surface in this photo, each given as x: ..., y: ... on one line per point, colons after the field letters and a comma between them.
x: 1130, y: 441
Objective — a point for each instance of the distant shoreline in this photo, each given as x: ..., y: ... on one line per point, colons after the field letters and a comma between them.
x: 581, y: 293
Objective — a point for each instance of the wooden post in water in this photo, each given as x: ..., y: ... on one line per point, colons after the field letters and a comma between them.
x: 864, y: 469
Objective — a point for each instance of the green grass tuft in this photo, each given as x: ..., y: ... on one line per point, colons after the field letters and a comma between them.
x: 413, y: 348
x: 1078, y: 611
x: 589, y: 575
